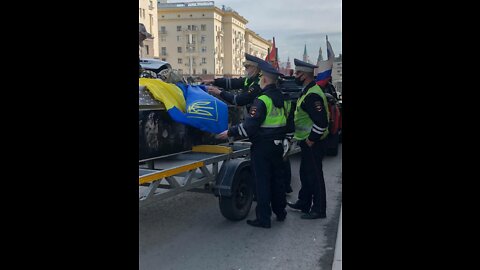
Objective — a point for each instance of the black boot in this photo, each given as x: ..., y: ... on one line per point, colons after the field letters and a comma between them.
x: 313, y: 215
x: 299, y: 206
x: 257, y: 223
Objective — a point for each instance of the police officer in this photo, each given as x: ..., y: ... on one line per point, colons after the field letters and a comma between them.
x: 250, y: 90
x: 142, y: 35
x: 311, y: 129
x: 266, y: 126
x: 248, y: 85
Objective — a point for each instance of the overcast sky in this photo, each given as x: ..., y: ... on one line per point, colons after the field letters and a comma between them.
x: 293, y: 23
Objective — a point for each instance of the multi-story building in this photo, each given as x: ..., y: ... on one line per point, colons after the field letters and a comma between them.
x: 147, y: 14
x: 256, y: 45
x: 200, y: 39
x: 234, y: 27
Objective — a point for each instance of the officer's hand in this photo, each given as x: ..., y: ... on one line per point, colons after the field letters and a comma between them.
x: 208, y: 81
x: 309, y: 143
x: 213, y: 90
x: 223, y: 135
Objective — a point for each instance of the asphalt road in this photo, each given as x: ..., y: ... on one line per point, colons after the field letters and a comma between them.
x: 188, y: 231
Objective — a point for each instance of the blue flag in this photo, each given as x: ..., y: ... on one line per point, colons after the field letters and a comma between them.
x: 203, y: 110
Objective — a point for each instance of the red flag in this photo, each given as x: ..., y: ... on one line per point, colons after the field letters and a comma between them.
x: 272, y: 56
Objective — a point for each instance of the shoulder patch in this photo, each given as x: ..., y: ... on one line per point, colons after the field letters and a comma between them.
x: 318, y: 105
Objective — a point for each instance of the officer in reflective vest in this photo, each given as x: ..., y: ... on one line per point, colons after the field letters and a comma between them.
x: 311, y: 129
x: 248, y: 85
x: 250, y: 90
x: 266, y: 126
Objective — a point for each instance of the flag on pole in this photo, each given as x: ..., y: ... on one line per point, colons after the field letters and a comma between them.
x: 325, y: 67
x: 272, y: 56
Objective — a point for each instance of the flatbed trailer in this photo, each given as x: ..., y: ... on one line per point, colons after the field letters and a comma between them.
x: 223, y: 170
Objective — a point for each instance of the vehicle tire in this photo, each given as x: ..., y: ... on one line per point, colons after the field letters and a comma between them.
x: 238, y: 205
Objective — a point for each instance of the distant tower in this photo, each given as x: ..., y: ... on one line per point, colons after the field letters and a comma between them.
x: 288, y: 63
x: 320, y: 57
x: 305, y: 55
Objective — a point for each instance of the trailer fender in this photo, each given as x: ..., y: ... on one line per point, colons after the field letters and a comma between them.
x: 224, y: 180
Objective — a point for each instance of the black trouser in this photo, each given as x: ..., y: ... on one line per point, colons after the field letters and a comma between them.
x: 267, y: 165
x: 287, y: 173
x: 312, y: 193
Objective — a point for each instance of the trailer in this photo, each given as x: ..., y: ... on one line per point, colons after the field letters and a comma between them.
x: 223, y: 170
x: 174, y: 158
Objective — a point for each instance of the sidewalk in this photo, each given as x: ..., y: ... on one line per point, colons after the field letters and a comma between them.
x: 337, y: 257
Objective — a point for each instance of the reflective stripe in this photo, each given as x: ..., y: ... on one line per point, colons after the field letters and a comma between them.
x: 240, y: 131
x: 316, y: 131
x: 244, y: 132
x: 235, y: 99
x: 319, y: 128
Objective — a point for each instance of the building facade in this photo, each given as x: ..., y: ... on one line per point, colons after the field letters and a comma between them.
x: 147, y: 14
x: 256, y: 45
x: 337, y: 73
x: 200, y: 39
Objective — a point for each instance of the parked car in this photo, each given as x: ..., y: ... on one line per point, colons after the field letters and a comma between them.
x: 154, y: 66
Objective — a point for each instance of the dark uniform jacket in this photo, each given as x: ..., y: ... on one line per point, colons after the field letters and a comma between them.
x: 247, y: 94
x: 251, y: 126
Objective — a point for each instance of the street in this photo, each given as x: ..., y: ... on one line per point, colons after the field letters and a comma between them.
x: 188, y: 231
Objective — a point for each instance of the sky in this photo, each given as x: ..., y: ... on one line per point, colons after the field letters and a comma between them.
x: 293, y: 23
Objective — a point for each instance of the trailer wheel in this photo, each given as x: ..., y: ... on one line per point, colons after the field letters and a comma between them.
x: 238, y: 205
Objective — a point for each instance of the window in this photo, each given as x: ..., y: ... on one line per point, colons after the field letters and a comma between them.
x: 163, y: 38
x: 202, y: 40
x: 194, y: 38
x: 146, y: 48
x: 194, y: 28
x: 203, y: 27
x: 164, y: 50
x: 140, y: 12
x: 194, y: 71
x: 204, y: 60
x: 143, y: 10
x: 204, y: 49
x: 179, y: 28
x: 179, y: 49
x: 180, y: 61
x: 163, y: 30
x: 204, y: 71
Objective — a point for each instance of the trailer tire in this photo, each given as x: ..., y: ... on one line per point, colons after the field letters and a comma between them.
x: 238, y: 205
